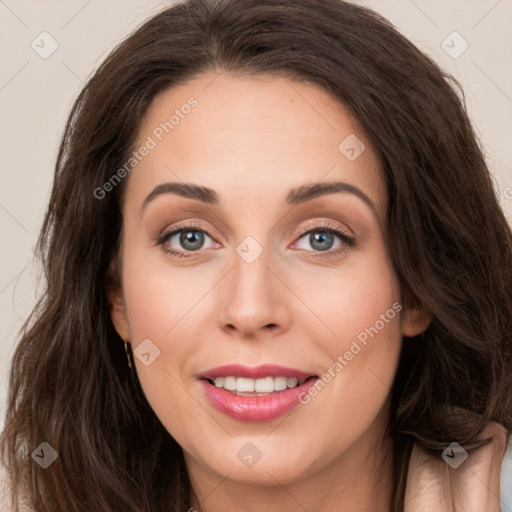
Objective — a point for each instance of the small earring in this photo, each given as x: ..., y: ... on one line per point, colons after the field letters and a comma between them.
x: 128, y: 351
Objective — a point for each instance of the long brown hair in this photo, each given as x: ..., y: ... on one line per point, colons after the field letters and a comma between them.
x: 449, y: 241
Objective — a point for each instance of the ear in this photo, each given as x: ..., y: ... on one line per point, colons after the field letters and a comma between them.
x: 415, y: 320
x: 116, y: 301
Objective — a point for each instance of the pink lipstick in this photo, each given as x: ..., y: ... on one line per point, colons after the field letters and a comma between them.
x: 260, y: 393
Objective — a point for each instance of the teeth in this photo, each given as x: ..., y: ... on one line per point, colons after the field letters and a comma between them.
x: 280, y: 383
x: 265, y: 385
x: 245, y: 385
x: 230, y: 383
x: 292, y: 383
x: 242, y: 385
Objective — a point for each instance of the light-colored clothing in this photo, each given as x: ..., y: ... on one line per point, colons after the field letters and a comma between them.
x: 433, y: 485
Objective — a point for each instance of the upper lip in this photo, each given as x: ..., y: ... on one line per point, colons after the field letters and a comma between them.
x: 254, y: 372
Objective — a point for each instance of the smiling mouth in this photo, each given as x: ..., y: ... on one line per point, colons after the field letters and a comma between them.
x: 243, y: 386
x: 255, y: 393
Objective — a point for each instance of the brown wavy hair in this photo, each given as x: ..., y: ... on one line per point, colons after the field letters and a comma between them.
x: 449, y: 241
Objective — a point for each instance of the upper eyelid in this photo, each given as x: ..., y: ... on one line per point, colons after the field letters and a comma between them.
x: 327, y: 225
x: 182, y: 227
x: 193, y: 226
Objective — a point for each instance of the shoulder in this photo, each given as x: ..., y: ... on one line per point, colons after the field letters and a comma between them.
x: 458, y: 480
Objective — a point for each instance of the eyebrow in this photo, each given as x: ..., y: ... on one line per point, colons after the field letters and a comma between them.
x: 295, y: 196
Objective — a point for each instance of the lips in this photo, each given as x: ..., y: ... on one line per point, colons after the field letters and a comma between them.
x: 259, y: 393
x: 254, y: 372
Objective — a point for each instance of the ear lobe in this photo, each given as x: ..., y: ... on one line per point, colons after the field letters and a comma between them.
x: 120, y: 319
x: 415, y: 320
x: 116, y: 303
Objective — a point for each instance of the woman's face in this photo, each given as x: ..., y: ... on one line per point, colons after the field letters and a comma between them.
x: 277, y: 280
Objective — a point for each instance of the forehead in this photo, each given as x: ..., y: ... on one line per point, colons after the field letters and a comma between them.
x: 248, y: 136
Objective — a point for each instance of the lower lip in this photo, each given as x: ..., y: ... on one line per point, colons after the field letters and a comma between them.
x: 256, y: 408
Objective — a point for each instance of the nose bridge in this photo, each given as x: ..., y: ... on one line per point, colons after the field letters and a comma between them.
x: 250, y: 285
x: 252, y: 297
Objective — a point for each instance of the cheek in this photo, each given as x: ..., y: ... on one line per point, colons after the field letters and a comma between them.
x: 162, y: 306
x: 357, y: 302
x: 161, y: 309
x: 162, y: 301
x: 360, y: 310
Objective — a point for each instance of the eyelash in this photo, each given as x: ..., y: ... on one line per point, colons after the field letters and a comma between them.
x: 347, y: 240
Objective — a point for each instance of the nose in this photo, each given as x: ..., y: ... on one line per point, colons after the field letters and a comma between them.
x: 253, y: 301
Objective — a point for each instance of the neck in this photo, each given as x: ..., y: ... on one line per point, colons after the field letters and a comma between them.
x: 360, y: 478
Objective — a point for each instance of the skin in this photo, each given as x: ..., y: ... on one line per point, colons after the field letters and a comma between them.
x: 251, y: 139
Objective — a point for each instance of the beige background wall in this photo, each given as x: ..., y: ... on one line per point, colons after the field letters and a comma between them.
x: 37, y: 90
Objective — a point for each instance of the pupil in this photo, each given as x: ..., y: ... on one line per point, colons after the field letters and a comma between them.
x: 318, y: 240
x: 189, y: 238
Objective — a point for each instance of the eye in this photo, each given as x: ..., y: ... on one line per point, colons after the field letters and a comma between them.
x: 189, y: 238
x: 321, y: 238
x: 183, y: 240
